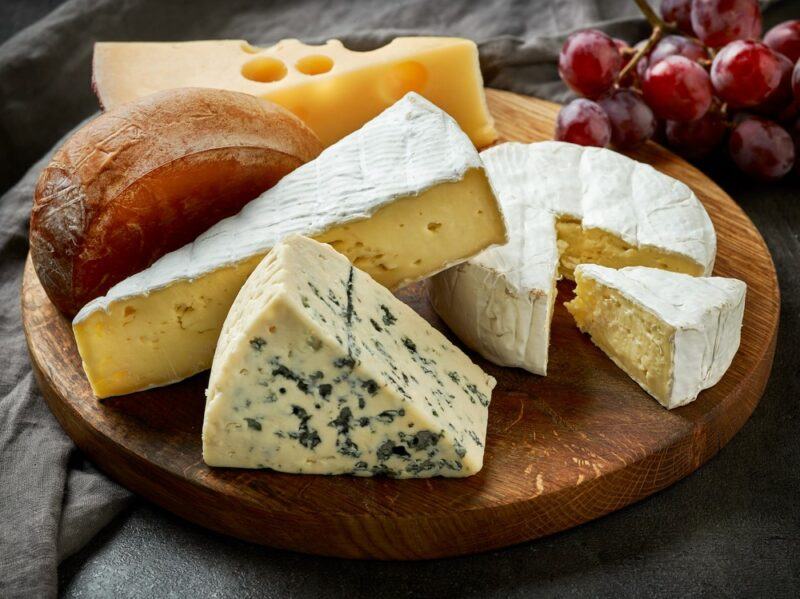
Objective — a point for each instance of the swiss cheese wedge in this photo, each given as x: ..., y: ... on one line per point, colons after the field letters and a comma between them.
x: 333, y: 89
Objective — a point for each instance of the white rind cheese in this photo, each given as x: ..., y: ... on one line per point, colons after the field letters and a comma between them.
x: 410, y: 147
x: 673, y: 333
x: 404, y: 197
x: 564, y: 205
x: 321, y: 370
x: 500, y: 303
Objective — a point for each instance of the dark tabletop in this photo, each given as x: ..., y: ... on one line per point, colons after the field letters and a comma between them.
x: 730, y: 529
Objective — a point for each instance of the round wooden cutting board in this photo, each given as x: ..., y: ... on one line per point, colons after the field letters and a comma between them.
x: 561, y: 449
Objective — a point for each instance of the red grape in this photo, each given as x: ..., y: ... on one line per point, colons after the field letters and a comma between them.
x: 672, y: 45
x: 785, y: 38
x: 583, y: 122
x: 632, y: 121
x: 761, y: 148
x: 677, y: 89
x: 696, y: 139
x: 589, y: 62
x: 781, y: 97
x: 744, y: 73
x: 678, y: 12
x: 718, y: 22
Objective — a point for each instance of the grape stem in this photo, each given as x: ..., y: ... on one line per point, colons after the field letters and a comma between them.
x: 653, y: 18
x: 652, y: 41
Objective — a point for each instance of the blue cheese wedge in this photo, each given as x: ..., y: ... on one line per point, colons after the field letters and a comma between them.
x: 673, y: 334
x: 321, y: 370
x: 403, y: 197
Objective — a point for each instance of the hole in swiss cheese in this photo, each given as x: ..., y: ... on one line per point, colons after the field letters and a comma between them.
x: 264, y: 70
x: 315, y: 64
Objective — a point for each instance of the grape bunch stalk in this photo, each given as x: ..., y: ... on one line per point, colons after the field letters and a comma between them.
x: 703, y: 78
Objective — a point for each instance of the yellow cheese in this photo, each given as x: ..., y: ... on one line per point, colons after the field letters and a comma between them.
x: 595, y: 246
x: 333, y: 89
x: 634, y: 338
x: 416, y: 236
x: 672, y: 333
x: 154, y: 339
x: 168, y: 334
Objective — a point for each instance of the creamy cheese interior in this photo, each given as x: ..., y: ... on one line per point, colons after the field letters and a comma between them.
x: 635, y: 339
x: 594, y: 246
x: 170, y: 333
x: 408, y: 239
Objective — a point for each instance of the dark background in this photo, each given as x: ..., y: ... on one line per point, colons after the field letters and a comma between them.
x: 16, y: 14
x: 730, y: 529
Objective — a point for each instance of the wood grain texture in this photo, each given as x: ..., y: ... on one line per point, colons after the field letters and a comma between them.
x: 561, y: 450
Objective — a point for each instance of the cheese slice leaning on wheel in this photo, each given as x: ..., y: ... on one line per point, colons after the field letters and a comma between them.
x: 565, y: 205
x: 404, y: 197
x: 321, y: 370
x: 673, y: 334
x: 333, y: 89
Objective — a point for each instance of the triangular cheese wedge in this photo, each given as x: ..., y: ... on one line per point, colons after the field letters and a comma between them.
x: 333, y: 89
x: 673, y: 334
x: 321, y: 370
x: 565, y: 205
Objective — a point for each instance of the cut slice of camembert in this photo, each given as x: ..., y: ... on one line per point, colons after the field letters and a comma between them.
x: 333, y: 89
x: 404, y: 197
x: 565, y: 205
x: 672, y: 333
x: 321, y: 370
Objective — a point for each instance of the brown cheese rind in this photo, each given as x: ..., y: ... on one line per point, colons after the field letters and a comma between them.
x: 148, y: 177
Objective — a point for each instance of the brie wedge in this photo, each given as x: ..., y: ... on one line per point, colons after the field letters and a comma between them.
x: 672, y: 333
x: 565, y: 205
x: 392, y: 197
x: 321, y: 370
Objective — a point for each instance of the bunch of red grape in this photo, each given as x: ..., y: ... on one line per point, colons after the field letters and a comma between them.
x: 702, y: 76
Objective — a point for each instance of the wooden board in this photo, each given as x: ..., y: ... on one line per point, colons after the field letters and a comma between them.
x: 561, y: 450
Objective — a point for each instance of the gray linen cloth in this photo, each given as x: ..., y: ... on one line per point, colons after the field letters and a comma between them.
x: 51, y: 500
